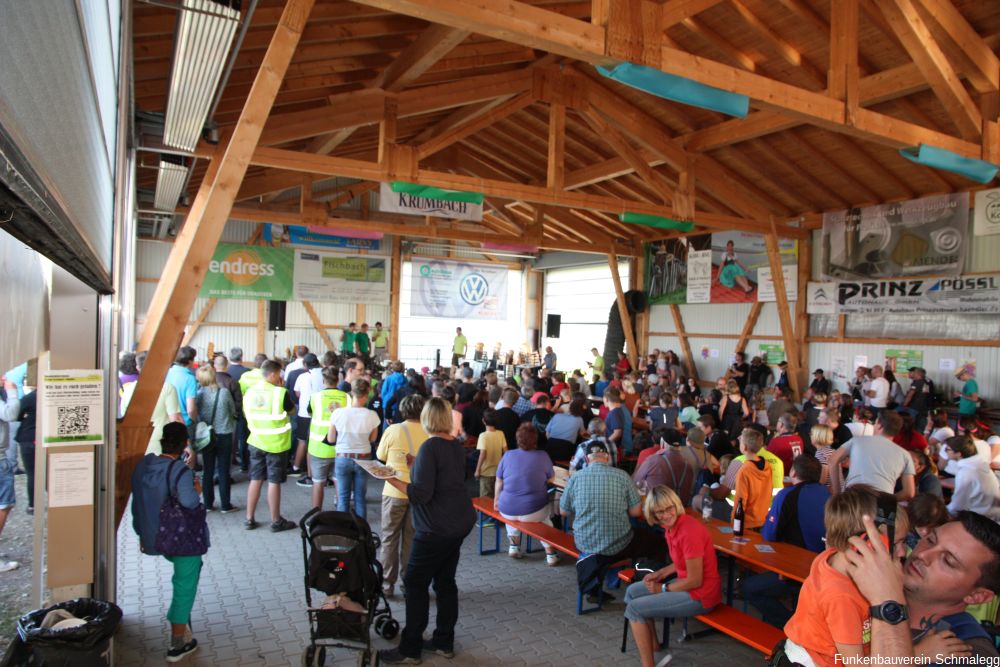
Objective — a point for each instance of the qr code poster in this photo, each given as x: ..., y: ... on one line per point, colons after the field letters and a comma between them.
x: 72, y: 408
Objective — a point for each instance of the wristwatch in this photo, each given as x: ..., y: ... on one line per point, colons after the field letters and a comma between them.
x: 890, y: 611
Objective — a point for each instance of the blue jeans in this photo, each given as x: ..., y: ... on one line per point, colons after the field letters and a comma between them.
x: 641, y: 605
x: 216, y: 458
x: 350, y: 479
x: 764, y: 592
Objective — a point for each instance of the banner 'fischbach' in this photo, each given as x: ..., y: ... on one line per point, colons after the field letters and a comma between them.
x: 969, y: 295
x: 458, y: 290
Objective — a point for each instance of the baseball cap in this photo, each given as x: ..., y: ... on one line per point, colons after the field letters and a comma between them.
x: 818, y: 370
x: 914, y: 368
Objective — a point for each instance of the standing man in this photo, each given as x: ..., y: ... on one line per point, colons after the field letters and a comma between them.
x: 266, y: 407
x: 248, y: 378
x: 380, y: 343
x: 549, y: 360
x: 182, y: 378
x: 309, y: 382
x: 597, y: 364
x: 353, y: 370
x: 782, y: 382
x: 236, y: 367
x: 916, y: 400
x: 347, y: 339
x: 9, y: 410
x: 363, y: 341
x: 618, y: 422
x: 878, y: 391
x: 458, y: 347
x: 968, y: 396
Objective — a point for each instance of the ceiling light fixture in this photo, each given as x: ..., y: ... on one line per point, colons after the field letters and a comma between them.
x: 169, y: 184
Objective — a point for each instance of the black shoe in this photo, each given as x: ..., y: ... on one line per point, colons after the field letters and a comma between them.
x: 603, y: 597
x: 296, y: 472
x: 250, y: 524
x: 177, y: 654
x: 18, y: 471
x: 304, y: 481
x: 231, y: 508
x: 282, y: 524
x: 330, y: 482
x: 30, y: 510
x: 392, y: 656
x: 443, y: 652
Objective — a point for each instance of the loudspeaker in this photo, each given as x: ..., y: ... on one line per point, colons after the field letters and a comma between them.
x: 552, y: 324
x: 276, y: 315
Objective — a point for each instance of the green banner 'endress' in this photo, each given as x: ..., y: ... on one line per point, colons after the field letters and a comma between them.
x: 249, y: 272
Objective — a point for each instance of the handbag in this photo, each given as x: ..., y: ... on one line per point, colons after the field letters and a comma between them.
x: 183, y: 531
x: 203, y: 431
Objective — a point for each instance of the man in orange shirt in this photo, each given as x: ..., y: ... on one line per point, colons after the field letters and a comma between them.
x: 753, y: 482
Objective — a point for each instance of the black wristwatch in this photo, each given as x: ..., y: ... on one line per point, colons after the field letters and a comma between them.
x: 890, y: 611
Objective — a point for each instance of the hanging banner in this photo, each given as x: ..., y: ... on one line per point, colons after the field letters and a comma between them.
x: 900, y: 361
x: 972, y: 295
x: 699, y: 276
x: 336, y: 278
x: 737, y: 258
x: 71, y: 407
x: 765, y: 291
x: 986, y: 216
x: 458, y: 290
x: 329, y: 237
x: 249, y: 272
x: 821, y: 298
x: 402, y: 202
x: 772, y: 353
x: 917, y: 237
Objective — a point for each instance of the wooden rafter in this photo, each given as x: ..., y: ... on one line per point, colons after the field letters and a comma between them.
x: 721, y: 44
x: 784, y: 316
x: 790, y: 54
x: 627, y: 152
x: 633, y: 351
x: 556, y: 162
x: 677, y: 11
x: 193, y: 328
x: 473, y: 125
x: 985, y: 72
x: 318, y: 325
x: 843, y: 77
x: 692, y: 369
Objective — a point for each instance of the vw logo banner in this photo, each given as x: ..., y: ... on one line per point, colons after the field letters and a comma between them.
x: 461, y: 290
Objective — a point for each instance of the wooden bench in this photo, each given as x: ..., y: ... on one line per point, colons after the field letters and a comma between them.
x: 742, y: 627
x: 557, y: 539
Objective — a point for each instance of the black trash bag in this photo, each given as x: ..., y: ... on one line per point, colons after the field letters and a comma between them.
x: 102, y: 621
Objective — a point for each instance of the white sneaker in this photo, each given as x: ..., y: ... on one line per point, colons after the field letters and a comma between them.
x: 666, y: 659
x: 552, y: 559
x: 514, y: 551
x: 7, y: 566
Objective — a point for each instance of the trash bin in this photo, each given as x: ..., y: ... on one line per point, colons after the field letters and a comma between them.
x: 83, y: 644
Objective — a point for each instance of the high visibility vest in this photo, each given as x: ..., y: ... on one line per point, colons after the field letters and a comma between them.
x: 323, y: 403
x: 249, y: 379
x: 269, y: 425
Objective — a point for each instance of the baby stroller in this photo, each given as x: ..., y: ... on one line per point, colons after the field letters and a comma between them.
x: 339, y: 551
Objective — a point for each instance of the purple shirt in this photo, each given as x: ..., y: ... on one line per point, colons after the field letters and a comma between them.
x: 524, y: 474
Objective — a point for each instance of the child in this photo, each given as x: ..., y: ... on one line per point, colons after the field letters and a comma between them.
x: 832, y: 622
x: 760, y: 410
x: 492, y: 444
x: 754, y: 480
x: 926, y: 512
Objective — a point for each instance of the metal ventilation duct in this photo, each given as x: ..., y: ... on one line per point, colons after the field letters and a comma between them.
x: 205, y: 32
x: 170, y: 182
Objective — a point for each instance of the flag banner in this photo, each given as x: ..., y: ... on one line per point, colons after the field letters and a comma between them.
x: 924, y: 236
x: 970, y: 295
x: 458, y: 290
x: 737, y: 261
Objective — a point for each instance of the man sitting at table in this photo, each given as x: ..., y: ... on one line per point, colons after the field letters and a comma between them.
x: 796, y: 517
x: 672, y: 466
x: 876, y: 460
x: 601, y: 499
x: 786, y: 443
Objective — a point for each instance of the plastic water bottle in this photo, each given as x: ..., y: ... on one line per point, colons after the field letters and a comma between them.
x: 706, y: 503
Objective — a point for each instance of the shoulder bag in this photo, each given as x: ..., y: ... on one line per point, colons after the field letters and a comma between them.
x: 183, y: 531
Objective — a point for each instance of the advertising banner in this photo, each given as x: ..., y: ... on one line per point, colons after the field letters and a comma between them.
x: 737, y: 258
x: 765, y: 289
x: 699, y: 276
x: 330, y: 237
x: 403, y: 202
x: 772, y: 353
x: 899, y: 361
x: 249, y: 272
x: 986, y: 216
x: 918, y: 237
x: 969, y: 295
x: 821, y: 298
x: 327, y: 276
x: 458, y: 290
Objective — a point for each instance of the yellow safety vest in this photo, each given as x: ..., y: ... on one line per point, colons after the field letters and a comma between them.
x: 323, y: 403
x: 249, y: 379
x: 269, y: 425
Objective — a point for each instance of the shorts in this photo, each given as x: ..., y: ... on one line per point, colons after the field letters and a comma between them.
x: 264, y: 465
x: 302, y: 428
x: 7, y: 496
x: 320, y: 469
x: 455, y: 358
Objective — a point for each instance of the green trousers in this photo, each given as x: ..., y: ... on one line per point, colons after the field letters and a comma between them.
x: 187, y: 571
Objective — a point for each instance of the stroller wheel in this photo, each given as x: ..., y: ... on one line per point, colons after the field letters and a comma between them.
x: 308, y: 655
x: 314, y: 656
x: 366, y: 657
x: 390, y: 628
x: 379, y: 624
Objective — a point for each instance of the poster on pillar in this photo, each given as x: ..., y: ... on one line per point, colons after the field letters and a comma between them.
x: 457, y: 290
x: 339, y: 278
x: 918, y: 237
x: 249, y: 272
x: 765, y: 289
x: 737, y: 258
x: 669, y: 267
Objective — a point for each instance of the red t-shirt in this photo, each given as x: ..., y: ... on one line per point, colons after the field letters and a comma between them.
x: 689, y: 538
x: 786, y: 447
x: 645, y: 454
x: 916, y: 442
x: 557, y: 388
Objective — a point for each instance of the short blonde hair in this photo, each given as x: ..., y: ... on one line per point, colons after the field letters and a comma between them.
x: 732, y: 387
x: 206, y: 376
x: 436, y: 416
x: 844, y: 512
x: 821, y: 435
x: 753, y: 440
x: 659, y: 499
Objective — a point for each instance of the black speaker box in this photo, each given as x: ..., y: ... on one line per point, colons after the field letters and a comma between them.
x: 276, y: 315
x: 552, y: 324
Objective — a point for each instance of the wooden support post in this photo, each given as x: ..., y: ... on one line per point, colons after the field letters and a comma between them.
x: 636, y: 276
x: 748, y: 327
x: 261, y: 326
x: 623, y: 310
x: 692, y: 369
x: 787, y: 332
x: 395, y: 271
x: 801, y: 314
x: 198, y: 322
x: 319, y: 325
x: 557, y: 146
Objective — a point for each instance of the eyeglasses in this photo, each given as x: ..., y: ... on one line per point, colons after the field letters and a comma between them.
x: 666, y: 510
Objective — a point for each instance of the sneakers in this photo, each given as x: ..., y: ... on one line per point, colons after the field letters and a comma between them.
x: 388, y: 590
x: 250, y: 524
x: 552, y: 559
x: 392, y: 656
x: 665, y: 660
x: 230, y: 509
x: 282, y: 524
x: 181, y: 646
x: 443, y: 652
x: 8, y: 565
x: 296, y: 472
x: 514, y: 551
x: 305, y: 480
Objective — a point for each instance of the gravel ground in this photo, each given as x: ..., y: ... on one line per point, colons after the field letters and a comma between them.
x: 15, y: 586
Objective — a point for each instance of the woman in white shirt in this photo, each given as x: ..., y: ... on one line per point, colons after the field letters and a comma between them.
x: 976, y: 487
x: 353, y: 429
x: 938, y: 431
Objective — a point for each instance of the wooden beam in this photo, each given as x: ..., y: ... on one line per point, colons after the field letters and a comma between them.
x: 676, y: 11
x: 320, y: 329
x: 985, y: 75
x: 624, y: 149
x: 395, y: 271
x: 193, y: 329
x: 748, y: 326
x: 721, y: 44
x: 790, y: 54
x: 556, y: 176
x: 931, y: 342
x: 692, y: 369
x: 470, y: 127
x: 801, y: 312
x: 919, y: 42
x: 633, y: 351
x: 189, y: 258
x: 633, y: 32
x: 843, y: 48
x: 261, y: 326
x: 781, y: 296
x: 411, y: 63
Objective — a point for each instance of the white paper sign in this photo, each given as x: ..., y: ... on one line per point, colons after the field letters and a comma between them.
x: 714, y: 354
x: 838, y: 370
x: 765, y: 286
x: 72, y: 408
x: 699, y: 276
x: 71, y: 479
x: 821, y: 298
x: 986, y: 216
x: 860, y: 360
x: 945, y: 364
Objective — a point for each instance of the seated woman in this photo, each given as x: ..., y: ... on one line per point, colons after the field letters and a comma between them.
x: 908, y: 437
x: 522, y: 489
x: 563, y: 430
x: 697, y: 588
